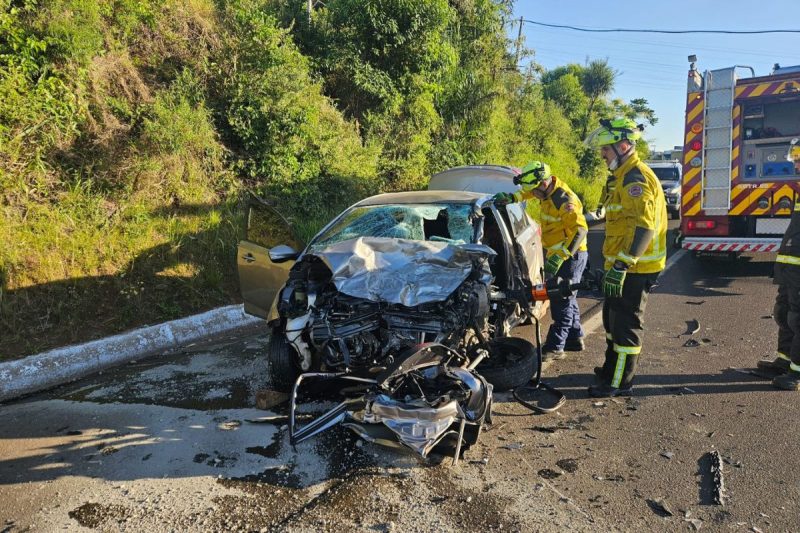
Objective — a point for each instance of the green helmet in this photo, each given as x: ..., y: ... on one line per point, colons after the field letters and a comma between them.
x: 612, y: 131
x: 533, y: 174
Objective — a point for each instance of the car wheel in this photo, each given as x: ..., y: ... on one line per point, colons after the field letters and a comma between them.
x: 511, y: 363
x: 283, y: 370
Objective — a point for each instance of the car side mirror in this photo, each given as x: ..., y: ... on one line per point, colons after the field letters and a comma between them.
x: 282, y: 253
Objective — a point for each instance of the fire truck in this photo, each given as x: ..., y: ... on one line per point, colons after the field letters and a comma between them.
x: 741, y: 159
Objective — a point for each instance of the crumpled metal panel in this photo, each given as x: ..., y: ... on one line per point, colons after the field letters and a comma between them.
x: 419, y: 428
x: 401, y: 271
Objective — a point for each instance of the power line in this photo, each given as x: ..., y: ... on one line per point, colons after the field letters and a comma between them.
x: 628, y: 30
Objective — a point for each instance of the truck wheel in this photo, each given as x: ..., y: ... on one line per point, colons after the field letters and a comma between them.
x: 283, y: 369
x: 511, y: 363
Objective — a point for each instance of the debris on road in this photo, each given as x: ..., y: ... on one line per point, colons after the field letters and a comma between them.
x: 668, y: 455
x: 696, y: 523
x: 568, y: 465
x: 549, y: 473
x: 718, y: 483
x: 267, y: 399
x: 692, y: 327
x: 690, y: 302
x: 513, y: 446
x: 691, y: 343
x: 660, y: 507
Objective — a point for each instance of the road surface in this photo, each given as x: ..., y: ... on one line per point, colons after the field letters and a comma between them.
x: 175, y: 443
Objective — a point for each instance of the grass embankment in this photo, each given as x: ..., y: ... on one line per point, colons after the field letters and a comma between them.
x: 129, y: 131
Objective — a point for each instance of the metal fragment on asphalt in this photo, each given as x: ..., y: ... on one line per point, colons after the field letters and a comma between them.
x: 660, y: 507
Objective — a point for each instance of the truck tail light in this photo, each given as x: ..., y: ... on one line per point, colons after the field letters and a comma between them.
x: 706, y: 226
x: 701, y: 224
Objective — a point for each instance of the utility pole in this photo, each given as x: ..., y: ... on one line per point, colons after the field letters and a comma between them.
x: 309, y: 8
x: 519, y: 42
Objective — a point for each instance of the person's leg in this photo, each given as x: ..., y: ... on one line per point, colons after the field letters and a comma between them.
x: 785, y: 334
x: 791, y: 379
x: 627, y: 328
x: 561, y: 311
x: 575, y: 333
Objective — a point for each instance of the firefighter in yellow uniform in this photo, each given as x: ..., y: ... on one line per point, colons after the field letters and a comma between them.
x: 786, y: 366
x: 635, y: 251
x: 564, y: 233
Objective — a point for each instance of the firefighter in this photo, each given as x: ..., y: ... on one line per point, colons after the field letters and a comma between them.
x: 787, y: 309
x: 635, y: 250
x: 564, y: 233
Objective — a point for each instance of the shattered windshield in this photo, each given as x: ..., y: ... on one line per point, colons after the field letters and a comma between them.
x: 451, y: 223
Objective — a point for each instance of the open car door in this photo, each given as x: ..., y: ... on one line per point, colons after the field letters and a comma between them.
x: 526, y: 232
x: 260, y: 277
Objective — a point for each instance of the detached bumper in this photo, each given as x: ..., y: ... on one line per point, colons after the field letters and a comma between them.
x: 730, y: 244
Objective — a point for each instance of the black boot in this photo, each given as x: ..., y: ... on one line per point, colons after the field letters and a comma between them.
x: 574, y: 345
x: 788, y: 381
x: 604, y: 388
x: 779, y: 365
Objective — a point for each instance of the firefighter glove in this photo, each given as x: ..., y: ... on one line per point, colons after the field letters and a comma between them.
x: 613, y: 281
x: 503, y: 198
x: 552, y: 264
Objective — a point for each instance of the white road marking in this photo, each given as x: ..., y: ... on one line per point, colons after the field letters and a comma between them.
x: 596, y: 322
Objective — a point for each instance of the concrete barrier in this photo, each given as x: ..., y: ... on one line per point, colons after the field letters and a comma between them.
x: 61, y: 365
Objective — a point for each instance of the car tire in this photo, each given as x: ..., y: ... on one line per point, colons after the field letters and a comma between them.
x: 283, y: 369
x: 512, y: 363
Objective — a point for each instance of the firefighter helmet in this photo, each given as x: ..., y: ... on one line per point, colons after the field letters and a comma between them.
x: 612, y: 131
x: 532, y: 175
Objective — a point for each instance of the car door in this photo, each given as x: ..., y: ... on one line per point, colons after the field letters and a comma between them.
x: 527, y: 235
x: 260, y: 279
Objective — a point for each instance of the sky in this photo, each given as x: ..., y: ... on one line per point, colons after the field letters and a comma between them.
x: 655, y: 66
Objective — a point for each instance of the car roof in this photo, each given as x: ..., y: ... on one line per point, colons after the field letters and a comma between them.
x: 423, y: 197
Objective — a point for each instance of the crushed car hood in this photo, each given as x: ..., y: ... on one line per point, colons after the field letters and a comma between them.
x: 402, y: 271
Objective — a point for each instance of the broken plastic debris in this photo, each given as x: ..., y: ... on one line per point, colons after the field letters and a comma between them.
x: 660, y: 506
x: 696, y: 523
x: 668, y: 455
x: 692, y: 327
x: 691, y: 343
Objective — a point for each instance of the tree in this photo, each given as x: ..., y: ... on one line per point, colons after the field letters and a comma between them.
x: 597, y: 80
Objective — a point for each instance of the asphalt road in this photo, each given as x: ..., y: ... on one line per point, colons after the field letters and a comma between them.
x: 171, y: 444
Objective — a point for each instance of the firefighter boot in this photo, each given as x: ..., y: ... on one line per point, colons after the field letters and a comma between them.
x: 574, y: 345
x: 779, y: 365
x: 621, y: 383
x: 603, y: 373
x: 788, y: 381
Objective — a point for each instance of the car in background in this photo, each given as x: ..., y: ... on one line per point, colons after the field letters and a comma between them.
x: 669, y: 174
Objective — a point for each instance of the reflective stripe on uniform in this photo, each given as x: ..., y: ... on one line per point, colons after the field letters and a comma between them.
x: 609, y: 337
x: 633, y: 350
x: 619, y: 370
x: 788, y: 259
x: 548, y: 218
x: 780, y: 355
x: 614, y: 207
x: 622, y: 358
x: 627, y: 259
x: 794, y: 368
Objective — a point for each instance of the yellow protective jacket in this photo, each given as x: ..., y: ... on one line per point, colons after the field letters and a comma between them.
x: 635, y: 198
x: 561, y: 214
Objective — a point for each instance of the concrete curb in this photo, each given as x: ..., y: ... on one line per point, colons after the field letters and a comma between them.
x: 48, y: 369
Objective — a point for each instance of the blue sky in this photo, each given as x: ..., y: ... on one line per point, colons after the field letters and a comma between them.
x: 654, y: 66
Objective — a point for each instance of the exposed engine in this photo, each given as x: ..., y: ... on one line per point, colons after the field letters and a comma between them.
x: 359, y: 334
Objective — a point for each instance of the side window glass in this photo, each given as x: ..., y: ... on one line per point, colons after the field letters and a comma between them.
x: 267, y: 228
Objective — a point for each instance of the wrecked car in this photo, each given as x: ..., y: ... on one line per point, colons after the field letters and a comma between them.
x: 392, y: 273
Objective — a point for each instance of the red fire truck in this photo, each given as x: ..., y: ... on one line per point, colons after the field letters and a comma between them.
x: 741, y: 159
